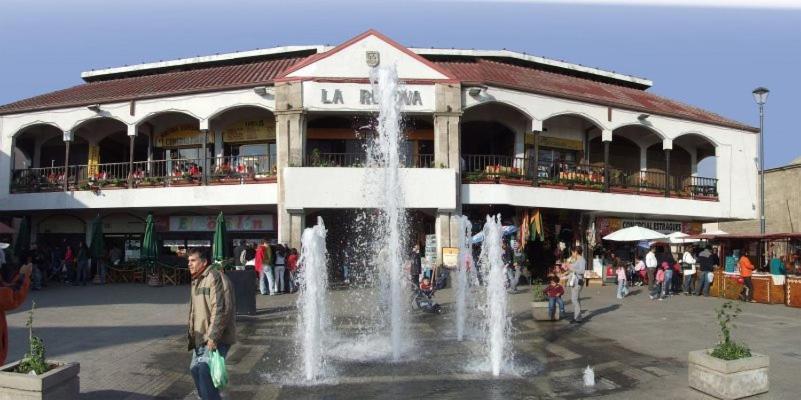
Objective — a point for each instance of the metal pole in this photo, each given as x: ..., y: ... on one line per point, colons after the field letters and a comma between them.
x: 761, y: 169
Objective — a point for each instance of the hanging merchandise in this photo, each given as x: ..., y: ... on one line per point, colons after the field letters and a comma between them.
x: 535, y: 226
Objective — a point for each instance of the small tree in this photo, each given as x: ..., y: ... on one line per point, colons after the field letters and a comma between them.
x: 728, y: 349
x: 34, y: 360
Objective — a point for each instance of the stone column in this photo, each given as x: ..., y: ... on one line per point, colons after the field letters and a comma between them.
x: 296, y: 224
x: 607, y: 175
x: 131, y: 137
x: 290, y: 140
x: 667, y: 173
x: 447, y: 154
x: 67, y: 140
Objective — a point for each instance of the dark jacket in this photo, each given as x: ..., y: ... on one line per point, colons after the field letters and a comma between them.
x: 416, y: 268
x: 705, y: 261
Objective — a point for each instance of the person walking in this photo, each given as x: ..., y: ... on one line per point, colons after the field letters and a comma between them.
x: 622, y: 289
x: 746, y: 270
x: 706, y: 266
x: 279, y: 269
x: 554, y: 292
x: 212, y: 322
x: 518, y: 263
x: 688, y: 269
x: 292, y: 267
x: 83, y: 265
x: 262, y: 267
x: 416, y: 267
x: 69, y: 263
x: 650, y: 266
x: 12, y: 295
x: 575, y: 282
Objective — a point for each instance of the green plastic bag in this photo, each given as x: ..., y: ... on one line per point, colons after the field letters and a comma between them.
x: 219, y: 375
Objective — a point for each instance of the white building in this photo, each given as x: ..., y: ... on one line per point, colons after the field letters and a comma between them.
x: 273, y: 137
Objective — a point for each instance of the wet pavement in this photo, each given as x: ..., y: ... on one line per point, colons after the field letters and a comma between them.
x: 130, y: 342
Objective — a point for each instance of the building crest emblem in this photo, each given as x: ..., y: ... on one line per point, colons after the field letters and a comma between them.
x: 373, y: 58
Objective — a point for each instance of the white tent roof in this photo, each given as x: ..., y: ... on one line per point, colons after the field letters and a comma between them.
x: 680, y: 238
x: 634, y: 233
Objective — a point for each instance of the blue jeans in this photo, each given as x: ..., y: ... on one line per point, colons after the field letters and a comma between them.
x: 688, y: 282
x: 703, y: 283
x: 666, y: 286
x: 552, y: 302
x: 278, y: 270
x: 83, y: 272
x: 266, y: 280
x: 201, y: 373
x: 622, y: 290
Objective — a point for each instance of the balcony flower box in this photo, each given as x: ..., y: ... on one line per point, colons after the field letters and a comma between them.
x: 60, y: 382
x: 588, y: 188
x: 514, y: 181
x: 622, y: 190
x: 552, y: 185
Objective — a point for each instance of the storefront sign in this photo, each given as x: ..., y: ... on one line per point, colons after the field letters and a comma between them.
x: 260, y: 130
x: 560, y: 143
x: 431, y: 250
x: 233, y: 223
x: 605, y: 225
x: 450, y: 257
x: 357, y: 96
x: 181, y: 136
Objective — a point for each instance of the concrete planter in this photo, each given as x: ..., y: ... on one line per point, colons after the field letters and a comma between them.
x: 733, y: 379
x: 60, y: 383
x: 539, y: 311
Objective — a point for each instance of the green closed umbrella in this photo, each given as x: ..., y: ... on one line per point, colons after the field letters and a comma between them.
x: 218, y: 244
x: 149, y: 253
x: 23, y: 243
x: 98, y: 246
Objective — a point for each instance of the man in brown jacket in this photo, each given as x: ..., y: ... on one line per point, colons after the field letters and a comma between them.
x: 211, y: 320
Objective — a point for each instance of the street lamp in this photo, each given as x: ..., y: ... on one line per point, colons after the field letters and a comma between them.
x: 761, y: 96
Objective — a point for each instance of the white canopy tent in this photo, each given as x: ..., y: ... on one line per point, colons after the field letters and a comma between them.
x: 680, y: 238
x: 634, y: 234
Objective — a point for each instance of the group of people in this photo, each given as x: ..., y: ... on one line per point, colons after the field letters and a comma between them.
x: 276, y: 265
x: 68, y: 263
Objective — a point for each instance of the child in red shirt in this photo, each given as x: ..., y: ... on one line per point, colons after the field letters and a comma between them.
x: 554, y: 291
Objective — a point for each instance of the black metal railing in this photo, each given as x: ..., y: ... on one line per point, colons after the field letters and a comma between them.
x: 175, y: 172
x: 481, y: 168
x: 359, y: 160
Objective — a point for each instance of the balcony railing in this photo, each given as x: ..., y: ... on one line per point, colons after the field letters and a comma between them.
x: 155, y: 173
x: 359, y: 160
x: 517, y: 170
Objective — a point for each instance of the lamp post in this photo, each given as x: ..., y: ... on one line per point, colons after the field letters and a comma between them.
x: 761, y: 96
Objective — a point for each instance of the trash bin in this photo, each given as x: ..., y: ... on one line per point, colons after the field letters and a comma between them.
x: 244, y: 284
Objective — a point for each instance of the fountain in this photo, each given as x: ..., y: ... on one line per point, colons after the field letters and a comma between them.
x: 465, y: 263
x: 383, y: 162
x: 314, y: 321
x: 496, y: 322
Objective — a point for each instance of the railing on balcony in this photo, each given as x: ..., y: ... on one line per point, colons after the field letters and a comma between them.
x: 359, y: 160
x: 494, y: 168
x: 155, y: 173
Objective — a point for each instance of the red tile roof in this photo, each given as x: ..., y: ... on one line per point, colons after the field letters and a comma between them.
x: 157, y: 85
x: 467, y: 70
x: 496, y: 73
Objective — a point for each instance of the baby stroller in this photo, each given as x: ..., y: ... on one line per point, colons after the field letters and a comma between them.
x: 422, y: 300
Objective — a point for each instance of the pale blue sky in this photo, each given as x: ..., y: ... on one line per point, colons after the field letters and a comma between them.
x: 708, y: 57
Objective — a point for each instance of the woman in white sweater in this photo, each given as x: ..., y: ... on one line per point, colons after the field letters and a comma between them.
x: 688, y: 268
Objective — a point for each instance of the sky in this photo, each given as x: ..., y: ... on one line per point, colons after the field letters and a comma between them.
x: 707, y: 53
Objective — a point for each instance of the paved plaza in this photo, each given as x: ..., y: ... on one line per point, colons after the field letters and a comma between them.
x: 129, y: 340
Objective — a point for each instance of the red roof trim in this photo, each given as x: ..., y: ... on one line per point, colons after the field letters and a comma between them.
x: 371, y: 32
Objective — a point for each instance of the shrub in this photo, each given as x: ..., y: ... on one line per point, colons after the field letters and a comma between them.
x: 537, y: 290
x: 728, y: 349
x: 34, y: 360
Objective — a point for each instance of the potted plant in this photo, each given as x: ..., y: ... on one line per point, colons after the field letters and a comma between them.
x: 34, y: 377
x: 730, y: 370
x: 539, y: 303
